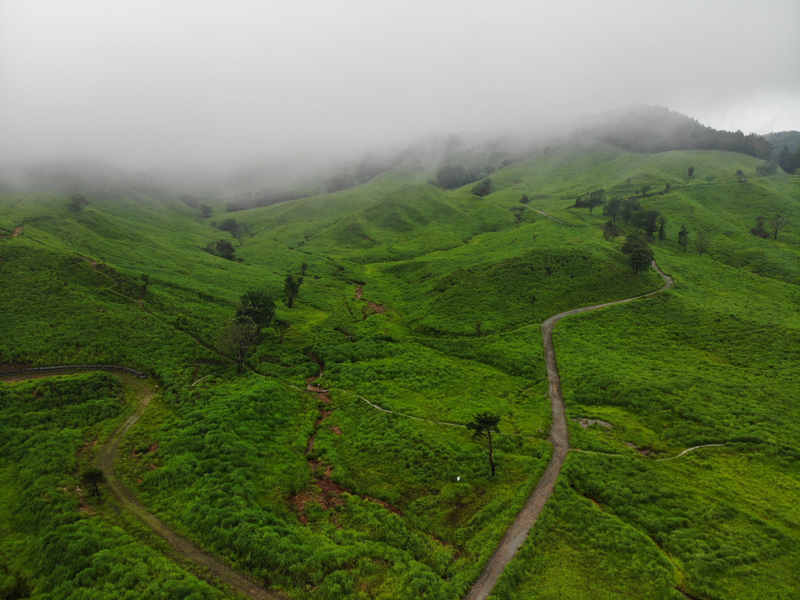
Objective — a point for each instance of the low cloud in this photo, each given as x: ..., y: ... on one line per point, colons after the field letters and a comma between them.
x: 151, y: 84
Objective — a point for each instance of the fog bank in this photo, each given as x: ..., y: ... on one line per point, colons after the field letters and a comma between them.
x: 152, y: 84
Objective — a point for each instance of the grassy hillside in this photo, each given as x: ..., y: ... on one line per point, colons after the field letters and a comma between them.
x: 429, y: 304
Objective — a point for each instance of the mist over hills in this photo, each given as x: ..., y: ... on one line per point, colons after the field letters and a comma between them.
x: 637, y: 129
x: 393, y: 285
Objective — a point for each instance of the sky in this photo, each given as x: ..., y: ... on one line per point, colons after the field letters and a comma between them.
x: 169, y: 82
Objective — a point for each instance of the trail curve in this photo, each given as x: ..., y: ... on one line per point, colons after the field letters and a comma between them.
x: 518, y: 532
x: 213, y: 567
x: 187, y: 549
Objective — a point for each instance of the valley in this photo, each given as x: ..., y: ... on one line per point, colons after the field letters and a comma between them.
x: 338, y: 463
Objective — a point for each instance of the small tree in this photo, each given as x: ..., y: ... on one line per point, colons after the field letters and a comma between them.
x: 591, y: 200
x: 303, y: 267
x: 683, y: 237
x: 236, y: 339
x: 691, y: 172
x: 702, y: 242
x: 759, y: 229
x: 281, y: 326
x: 223, y: 249
x: 94, y: 477
x: 145, y: 282
x: 239, y: 232
x: 206, y: 211
x: 612, y: 209
x: 777, y: 223
x: 228, y: 225
x: 662, y: 229
x: 482, y: 188
x: 291, y: 288
x: 78, y: 202
x: 524, y: 199
x: 610, y: 230
x: 645, y: 221
x: 739, y: 175
x: 628, y: 207
x: 639, y: 253
x: 450, y: 177
x: 483, y: 425
x: 258, y: 307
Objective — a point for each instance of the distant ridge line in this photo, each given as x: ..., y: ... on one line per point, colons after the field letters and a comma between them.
x: 58, y: 368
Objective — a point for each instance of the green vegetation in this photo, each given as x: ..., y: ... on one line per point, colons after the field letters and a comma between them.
x: 410, y: 311
x: 483, y: 425
x: 57, y: 538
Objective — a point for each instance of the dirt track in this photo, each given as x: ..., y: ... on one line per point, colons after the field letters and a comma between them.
x: 518, y: 532
x: 511, y: 542
x: 215, y: 568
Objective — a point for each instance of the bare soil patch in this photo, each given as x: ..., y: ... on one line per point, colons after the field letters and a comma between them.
x: 324, y: 492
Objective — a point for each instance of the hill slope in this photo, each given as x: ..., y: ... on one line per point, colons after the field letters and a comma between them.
x: 428, y: 303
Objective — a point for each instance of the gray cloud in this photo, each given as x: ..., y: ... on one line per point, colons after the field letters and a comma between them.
x: 146, y: 83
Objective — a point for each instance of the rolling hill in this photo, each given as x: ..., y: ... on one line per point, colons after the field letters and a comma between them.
x: 428, y: 304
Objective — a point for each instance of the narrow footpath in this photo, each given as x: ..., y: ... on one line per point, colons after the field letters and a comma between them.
x: 213, y: 569
x: 518, y: 532
x: 187, y: 550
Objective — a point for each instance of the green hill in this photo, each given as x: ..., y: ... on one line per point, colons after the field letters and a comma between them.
x: 427, y: 303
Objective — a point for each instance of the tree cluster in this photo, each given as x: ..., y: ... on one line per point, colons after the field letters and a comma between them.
x: 591, y: 200
x: 78, y: 202
x: 483, y: 188
x: 639, y: 253
x: 657, y: 129
x: 236, y: 229
x: 256, y: 311
x: 776, y: 223
x: 223, y: 249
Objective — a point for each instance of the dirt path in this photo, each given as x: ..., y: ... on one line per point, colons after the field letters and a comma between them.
x: 541, y: 212
x: 214, y: 568
x: 518, y: 532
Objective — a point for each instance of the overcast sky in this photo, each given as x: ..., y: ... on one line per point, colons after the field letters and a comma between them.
x: 146, y: 83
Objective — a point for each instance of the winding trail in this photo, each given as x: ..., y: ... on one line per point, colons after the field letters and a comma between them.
x: 541, y: 212
x: 213, y: 568
x: 518, y: 532
x: 513, y: 539
x: 188, y: 550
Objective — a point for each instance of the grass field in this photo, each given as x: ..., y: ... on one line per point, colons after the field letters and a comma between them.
x: 427, y: 303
